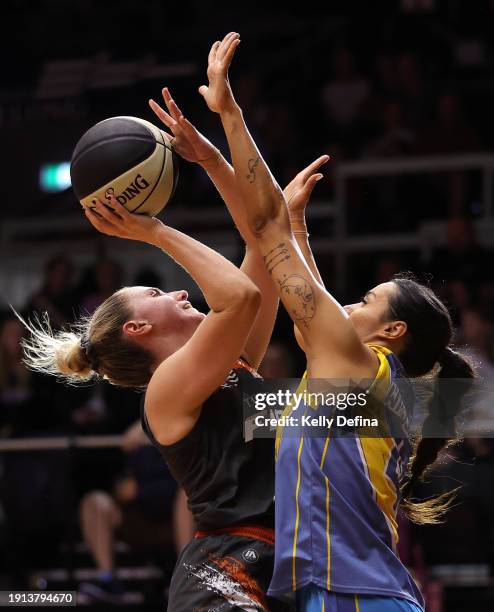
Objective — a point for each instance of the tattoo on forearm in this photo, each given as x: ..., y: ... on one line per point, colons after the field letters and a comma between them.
x: 303, y: 304
x: 252, y: 164
x: 276, y: 256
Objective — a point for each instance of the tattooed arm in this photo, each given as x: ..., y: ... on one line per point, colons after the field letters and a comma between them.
x: 328, y: 335
x: 297, y: 194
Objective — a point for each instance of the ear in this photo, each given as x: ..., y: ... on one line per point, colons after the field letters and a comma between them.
x: 136, y: 328
x: 393, y: 330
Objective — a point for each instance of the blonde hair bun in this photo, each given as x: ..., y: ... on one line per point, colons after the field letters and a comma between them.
x: 71, y: 358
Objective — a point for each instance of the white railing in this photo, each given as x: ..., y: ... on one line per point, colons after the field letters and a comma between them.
x: 59, y: 443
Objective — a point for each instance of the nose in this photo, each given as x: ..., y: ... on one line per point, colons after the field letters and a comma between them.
x: 179, y: 295
x: 349, y: 308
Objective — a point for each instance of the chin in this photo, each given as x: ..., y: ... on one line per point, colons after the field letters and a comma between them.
x: 198, y: 316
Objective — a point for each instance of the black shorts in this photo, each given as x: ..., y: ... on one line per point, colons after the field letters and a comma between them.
x: 222, y: 572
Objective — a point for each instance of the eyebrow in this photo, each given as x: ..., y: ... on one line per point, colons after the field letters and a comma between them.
x: 370, y: 293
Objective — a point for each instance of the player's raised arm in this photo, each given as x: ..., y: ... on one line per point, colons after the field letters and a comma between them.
x: 320, y: 318
x: 184, y: 377
x: 297, y: 194
x: 193, y: 146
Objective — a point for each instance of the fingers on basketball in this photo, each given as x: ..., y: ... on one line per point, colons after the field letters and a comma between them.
x: 97, y: 220
x: 118, y: 209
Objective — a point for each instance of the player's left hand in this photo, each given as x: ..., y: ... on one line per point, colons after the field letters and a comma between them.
x: 186, y: 140
x: 298, y: 191
x: 218, y: 93
x: 113, y: 219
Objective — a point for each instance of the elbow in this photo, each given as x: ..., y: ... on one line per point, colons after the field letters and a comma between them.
x: 248, y: 298
x: 253, y: 297
x: 272, y: 215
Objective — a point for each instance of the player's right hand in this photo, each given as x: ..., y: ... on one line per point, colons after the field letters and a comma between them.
x: 186, y: 140
x: 298, y: 191
x: 218, y: 94
x: 113, y: 219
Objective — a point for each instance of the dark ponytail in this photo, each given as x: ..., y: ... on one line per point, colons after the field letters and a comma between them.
x: 453, y: 380
x: 429, y: 332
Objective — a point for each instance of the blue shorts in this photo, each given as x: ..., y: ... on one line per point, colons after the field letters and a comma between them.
x: 315, y: 599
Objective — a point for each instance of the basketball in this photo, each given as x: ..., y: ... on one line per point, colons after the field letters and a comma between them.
x: 128, y: 158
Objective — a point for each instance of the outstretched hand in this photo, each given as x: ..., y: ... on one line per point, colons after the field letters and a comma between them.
x: 186, y: 140
x: 113, y: 219
x: 218, y: 94
x: 298, y: 191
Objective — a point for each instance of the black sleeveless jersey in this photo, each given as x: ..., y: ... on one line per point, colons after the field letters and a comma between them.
x: 226, y: 479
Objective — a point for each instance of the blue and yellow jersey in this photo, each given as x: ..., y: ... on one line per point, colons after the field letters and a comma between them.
x: 336, y: 502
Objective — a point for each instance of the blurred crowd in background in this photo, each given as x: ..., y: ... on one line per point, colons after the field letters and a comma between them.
x: 411, y: 81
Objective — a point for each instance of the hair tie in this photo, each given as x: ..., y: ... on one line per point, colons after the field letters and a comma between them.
x: 88, y: 349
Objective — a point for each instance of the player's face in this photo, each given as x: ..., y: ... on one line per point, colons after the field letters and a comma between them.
x: 370, y: 314
x: 167, y: 312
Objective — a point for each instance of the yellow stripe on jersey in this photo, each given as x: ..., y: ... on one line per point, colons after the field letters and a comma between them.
x: 381, y: 382
x: 328, y: 541
x: 302, y: 387
x: 297, y: 516
x: 377, y: 451
x: 357, y: 607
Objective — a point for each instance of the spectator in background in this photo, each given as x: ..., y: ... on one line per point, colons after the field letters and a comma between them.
x: 35, y: 487
x: 460, y: 267
x: 386, y: 76
x: 450, y: 132
x: 346, y: 93
x: 344, y: 99
x: 411, y: 90
x: 476, y: 334
x: 15, y: 378
x: 56, y: 295
x: 146, y: 510
x: 396, y: 138
x: 108, y: 277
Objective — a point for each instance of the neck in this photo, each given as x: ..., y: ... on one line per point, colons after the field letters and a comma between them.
x: 163, y: 346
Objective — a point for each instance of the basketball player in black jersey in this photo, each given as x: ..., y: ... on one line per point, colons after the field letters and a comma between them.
x: 192, y: 366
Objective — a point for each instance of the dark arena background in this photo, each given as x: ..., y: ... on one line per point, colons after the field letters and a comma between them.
x: 400, y: 94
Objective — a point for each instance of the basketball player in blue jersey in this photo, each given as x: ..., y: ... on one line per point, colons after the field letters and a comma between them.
x: 336, y: 499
